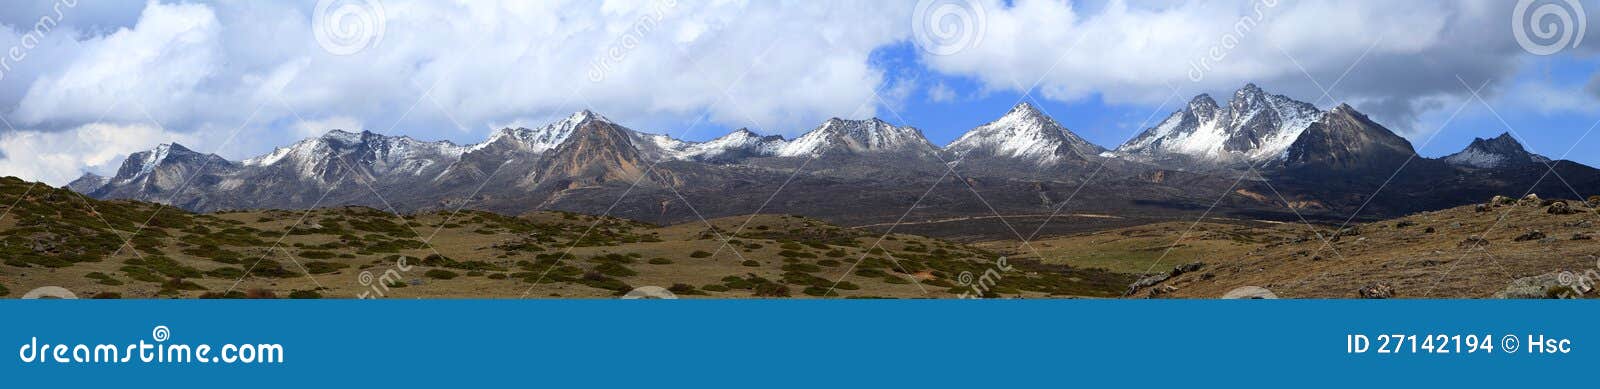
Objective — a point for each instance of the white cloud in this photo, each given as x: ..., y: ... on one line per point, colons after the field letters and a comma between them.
x: 1395, y: 55
x: 940, y: 93
x: 58, y: 157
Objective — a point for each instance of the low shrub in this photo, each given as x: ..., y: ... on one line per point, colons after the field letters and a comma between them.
x: 699, y: 254
x: 318, y: 267
x: 802, y: 268
x: 305, y: 294
x: 440, y: 274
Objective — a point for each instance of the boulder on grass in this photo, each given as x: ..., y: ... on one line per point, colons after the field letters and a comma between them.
x: 1377, y: 290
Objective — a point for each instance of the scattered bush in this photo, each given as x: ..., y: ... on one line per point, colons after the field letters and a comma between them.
x: 699, y: 254
x: 305, y: 294
x: 819, y: 291
x: 870, y: 273
x: 615, y: 270
x: 102, y: 279
x: 714, y: 288
x: 684, y: 289
x: 318, y: 267
x: 750, y: 263
x: 769, y: 289
x: 801, y: 268
x: 440, y: 274
x: 660, y: 261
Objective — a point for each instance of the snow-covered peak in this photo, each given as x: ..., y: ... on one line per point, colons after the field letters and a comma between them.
x: 871, y: 135
x: 141, y: 164
x: 540, y: 139
x: 1024, y: 133
x: 383, y: 154
x: 1501, y: 151
x: 1255, y: 126
x: 741, y: 142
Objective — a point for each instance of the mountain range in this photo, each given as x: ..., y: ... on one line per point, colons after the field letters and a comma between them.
x: 1268, y: 156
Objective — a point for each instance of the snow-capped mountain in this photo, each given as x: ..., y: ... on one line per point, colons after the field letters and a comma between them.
x: 1021, y: 162
x: 739, y: 144
x: 155, y: 174
x: 1498, y: 152
x: 379, y: 155
x: 1027, y: 134
x: 1254, y: 127
x: 541, y: 139
x: 856, y: 136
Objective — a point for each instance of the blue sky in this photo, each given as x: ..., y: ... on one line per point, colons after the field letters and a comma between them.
x: 108, y: 78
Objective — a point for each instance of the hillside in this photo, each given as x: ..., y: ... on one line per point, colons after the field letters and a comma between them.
x: 55, y: 237
x: 1502, y: 250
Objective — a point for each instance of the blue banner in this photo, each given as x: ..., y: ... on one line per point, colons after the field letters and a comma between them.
x: 795, y: 343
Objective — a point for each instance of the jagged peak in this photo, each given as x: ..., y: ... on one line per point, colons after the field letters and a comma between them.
x: 1505, y: 137
x: 1024, y: 108
x: 1249, y: 89
x: 741, y: 133
x: 585, y: 114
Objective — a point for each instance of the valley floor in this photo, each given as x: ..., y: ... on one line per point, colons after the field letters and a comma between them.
x: 122, y: 249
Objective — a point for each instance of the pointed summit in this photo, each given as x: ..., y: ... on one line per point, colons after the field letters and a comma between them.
x: 1497, y: 152
x: 1346, y: 140
x: 596, y: 152
x: 1027, y: 134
